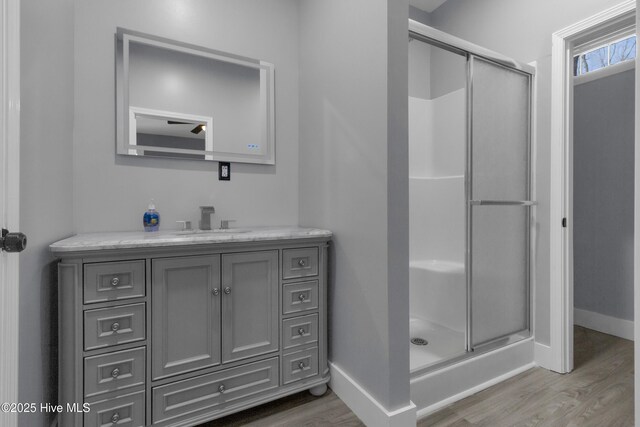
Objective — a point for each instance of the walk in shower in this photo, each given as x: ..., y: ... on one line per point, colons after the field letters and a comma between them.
x: 469, y: 199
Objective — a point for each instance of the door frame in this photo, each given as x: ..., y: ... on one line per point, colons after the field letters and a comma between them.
x: 561, y: 181
x: 10, y: 199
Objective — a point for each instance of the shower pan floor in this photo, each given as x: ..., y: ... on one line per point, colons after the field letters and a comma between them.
x: 443, y: 343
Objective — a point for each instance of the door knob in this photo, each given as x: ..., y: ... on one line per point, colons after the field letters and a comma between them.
x: 12, y: 242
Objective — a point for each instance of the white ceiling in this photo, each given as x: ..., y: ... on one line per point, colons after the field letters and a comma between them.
x: 427, y: 5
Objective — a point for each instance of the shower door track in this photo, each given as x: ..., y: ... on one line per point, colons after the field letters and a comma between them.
x: 469, y: 50
x: 446, y: 41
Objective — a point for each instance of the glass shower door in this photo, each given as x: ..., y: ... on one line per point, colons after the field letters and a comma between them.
x: 498, y: 209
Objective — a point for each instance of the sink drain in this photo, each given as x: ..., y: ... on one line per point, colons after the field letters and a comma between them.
x: 419, y: 341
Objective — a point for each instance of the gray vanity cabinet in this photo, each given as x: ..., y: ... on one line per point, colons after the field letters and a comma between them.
x: 185, y: 306
x: 249, y: 304
x: 176, y: 330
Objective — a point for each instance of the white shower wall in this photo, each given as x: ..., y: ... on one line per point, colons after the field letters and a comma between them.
x: 437, y: 132
x: 437, y: 141
x: 437, y: 135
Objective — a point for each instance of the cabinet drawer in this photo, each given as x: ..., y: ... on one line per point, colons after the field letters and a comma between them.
x: 127, y: 410
x: 298, y: 297
x: 114, y: 325
x: 299, y: 365
x: 112, y: 281
x: 114, y: 371
x: 213, y: 392
x: 301, y: 262
x: 299, y: 331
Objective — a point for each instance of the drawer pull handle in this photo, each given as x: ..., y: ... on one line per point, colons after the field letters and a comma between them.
x: 301, y: 331
x: 302, y: 297
x: 115, y: 418
x: 227, y: 290
x: 115, y: 373
x: 301, y: 365
x: 222, y: 389
x: 115, y: 281
x: 115, y: 326
x: 302, y: 262
x: 216, y: 292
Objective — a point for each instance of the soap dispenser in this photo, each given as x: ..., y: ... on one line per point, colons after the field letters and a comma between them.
x: 151, y: 218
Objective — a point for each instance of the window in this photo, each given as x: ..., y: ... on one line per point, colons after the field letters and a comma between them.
x: 605, y: 55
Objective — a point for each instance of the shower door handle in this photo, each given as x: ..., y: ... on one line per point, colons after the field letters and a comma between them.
x: 502, y: 203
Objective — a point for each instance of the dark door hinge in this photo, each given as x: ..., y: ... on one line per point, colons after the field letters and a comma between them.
x: 564, y: 222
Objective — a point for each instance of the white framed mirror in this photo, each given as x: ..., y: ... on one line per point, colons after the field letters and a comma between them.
x: 183, y: 101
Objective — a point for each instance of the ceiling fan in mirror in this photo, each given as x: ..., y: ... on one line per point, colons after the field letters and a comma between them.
x: 196, y: 130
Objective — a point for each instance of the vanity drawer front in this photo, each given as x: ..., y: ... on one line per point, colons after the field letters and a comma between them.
x: 299, y: 365
x: 114, y: 371
x: 301, y: 262
x: 297, y: 297
x: 213, y: 392
x: 114, y: 325
x: 299, y: 331
x: 127, y: 410
x: 112, y: 281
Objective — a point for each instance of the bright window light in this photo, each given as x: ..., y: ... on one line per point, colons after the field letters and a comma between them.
x: 605, y: 55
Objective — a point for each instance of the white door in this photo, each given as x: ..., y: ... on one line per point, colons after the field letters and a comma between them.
x: 9, y: 202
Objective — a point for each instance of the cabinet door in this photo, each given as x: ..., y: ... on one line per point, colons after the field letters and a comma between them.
x: 249, y: 304
x: 185, y: 297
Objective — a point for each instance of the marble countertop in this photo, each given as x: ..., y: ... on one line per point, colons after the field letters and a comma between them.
x: 139, y: 239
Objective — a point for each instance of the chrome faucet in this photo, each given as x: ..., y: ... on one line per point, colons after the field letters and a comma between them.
x: 224, y: 224
x: 205, y: 217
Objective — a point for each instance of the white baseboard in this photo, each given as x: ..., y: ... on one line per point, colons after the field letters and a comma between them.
x: 602, y: 323
x: 543, y: 356
x: 368, y: 409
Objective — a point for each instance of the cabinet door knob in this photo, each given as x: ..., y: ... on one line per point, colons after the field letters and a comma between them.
x: 115, y: 326
x: 302, y: 262
x: 301, y: 365
x: 216, y: 291
x: 115, y: 418
x: 222, y: 389
x: 115, y: 373
x: 227, y: 290
x: 301, y: 331
x: 115, y: 281
x: 301, y: 297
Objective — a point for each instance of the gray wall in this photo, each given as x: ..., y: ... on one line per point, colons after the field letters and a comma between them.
x: 522, y: 29
x: 112, y: 192
x: 353, y: 181
x: 603, y: 194
x: 46, y: 184
x: 419, y: 15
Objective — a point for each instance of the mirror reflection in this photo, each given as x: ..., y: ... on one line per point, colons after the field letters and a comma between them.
x: 155, y: 134
x: 168, y: 91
